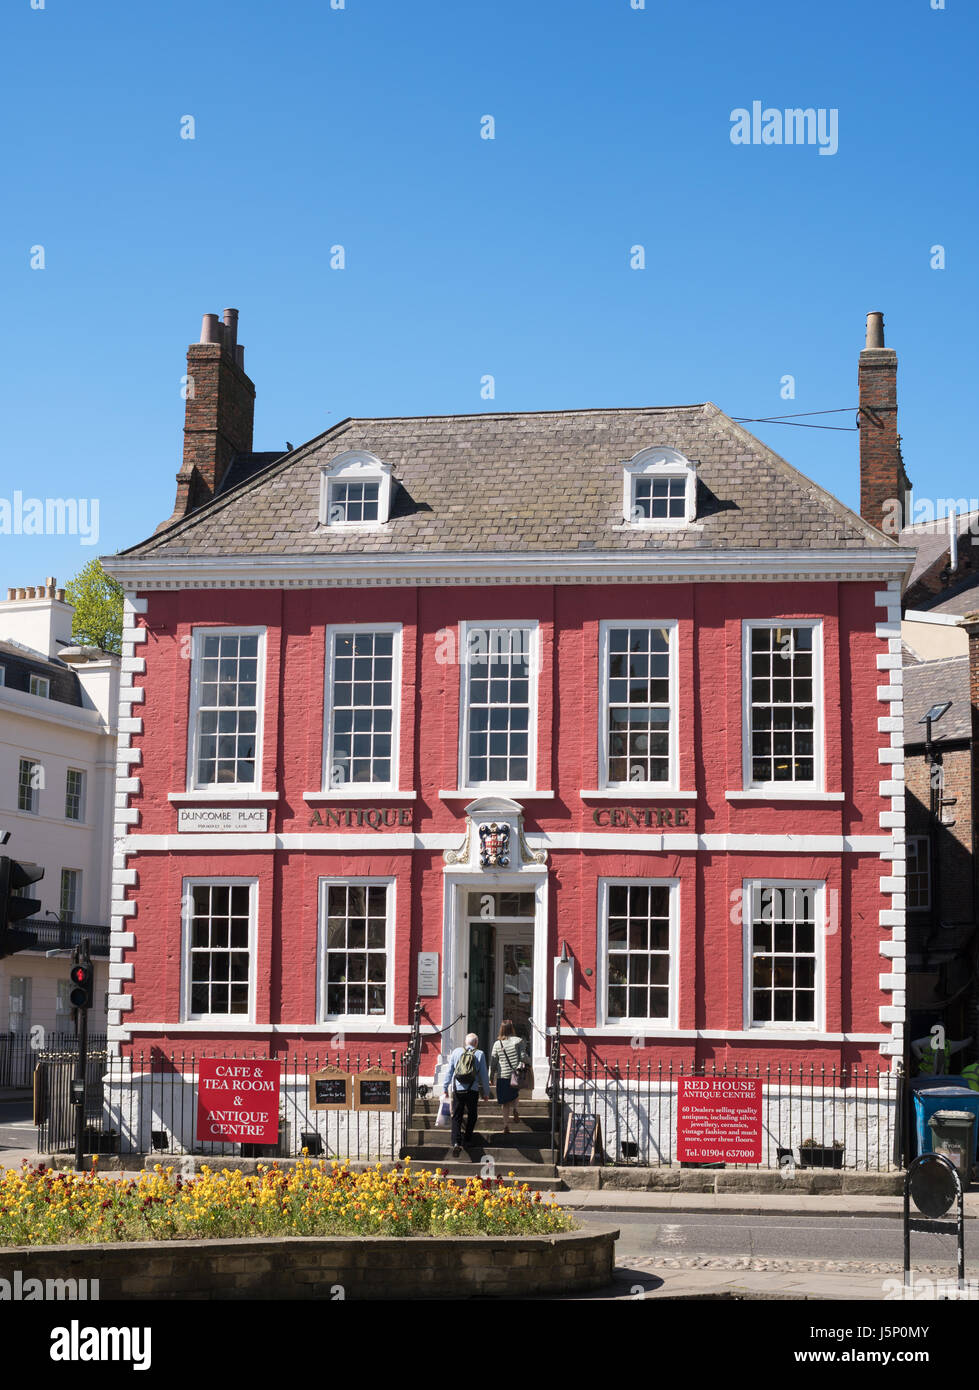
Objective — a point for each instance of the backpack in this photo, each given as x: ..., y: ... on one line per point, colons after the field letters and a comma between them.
x: 465, y: 1072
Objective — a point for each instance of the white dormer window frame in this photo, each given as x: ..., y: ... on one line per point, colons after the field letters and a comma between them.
x: 355, y: 492
x: 659, y: 476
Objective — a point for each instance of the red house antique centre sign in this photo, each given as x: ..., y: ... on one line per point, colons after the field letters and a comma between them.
x: 238, y: 1100
x: 718, y: 1119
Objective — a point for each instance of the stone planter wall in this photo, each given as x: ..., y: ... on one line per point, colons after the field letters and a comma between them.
x: 307, y: 1267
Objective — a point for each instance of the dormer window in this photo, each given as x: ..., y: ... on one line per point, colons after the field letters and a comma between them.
x: 659, y: 489
x: 355, y: 491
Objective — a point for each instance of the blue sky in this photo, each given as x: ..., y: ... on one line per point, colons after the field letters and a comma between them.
x: 466, y: 257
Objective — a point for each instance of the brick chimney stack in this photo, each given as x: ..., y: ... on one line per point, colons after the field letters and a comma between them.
x: 219, y: 414
x: 884, y: 486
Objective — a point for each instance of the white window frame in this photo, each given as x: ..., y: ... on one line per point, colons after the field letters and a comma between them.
x: 604, y: 782
x: 42, y: 684
x: 353, y: 1022
x: 82, y: 792
x: 61, y: 995
x: 362, y: 788
x: 465, y: 787
x: 926, y: 852
x: 634, y: 1026
x: 356, y: 466
x: 76, y: 909
x: 818, y: 886
x: 193, y: 723
x: 658, y: 463
x: 34, y: 808
x: 783, y: 789
x: 186, y: 928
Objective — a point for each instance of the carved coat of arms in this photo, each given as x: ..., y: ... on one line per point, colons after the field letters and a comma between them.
x: 494, y: 845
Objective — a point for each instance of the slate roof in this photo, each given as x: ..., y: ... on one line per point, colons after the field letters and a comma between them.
x: 932, y: 683
x: 20, y: 664
x: 543, y: 481
x: 245, y: 466
x: 957, y: 600
x: 930, y: 541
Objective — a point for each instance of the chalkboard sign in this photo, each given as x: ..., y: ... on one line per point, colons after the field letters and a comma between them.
x: 583, y: 1138
x: 330, y: 1089
x: 375, y: 1090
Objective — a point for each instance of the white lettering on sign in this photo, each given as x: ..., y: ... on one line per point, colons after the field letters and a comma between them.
x: 222, y: 818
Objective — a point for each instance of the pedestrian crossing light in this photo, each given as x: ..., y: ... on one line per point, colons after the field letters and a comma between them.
x: 14, y: 908
x: 80, y: 996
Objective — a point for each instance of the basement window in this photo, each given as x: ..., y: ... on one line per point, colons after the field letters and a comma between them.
x: 355, y: 492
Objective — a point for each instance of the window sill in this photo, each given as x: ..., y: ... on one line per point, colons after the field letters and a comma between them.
x: 795, y: 794
x: 363, y: 793
x: 641, y: 793
x: 476, y: 793
x: 231, y: 795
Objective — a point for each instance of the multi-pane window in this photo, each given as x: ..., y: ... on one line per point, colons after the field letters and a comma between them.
x: 362, y: 708
x: 783, y: 953
x: 74, y: 794
x: 659, y: 499
x: 356, y: 949
x: 354, y: 501
x: 638, y: 704
x: 498, y: 704
x: 40, y: 685
x: 782, y: 704
x: 638, y: 939
x: 219, y: 948
x: 917, y: 882
x: 3, y: 675
x: 228, y: 704
x: 29, y: 778
x: 71, y: 895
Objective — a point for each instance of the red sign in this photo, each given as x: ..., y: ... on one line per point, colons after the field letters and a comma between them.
x: 718, y: 1120
x: 238, y: 1100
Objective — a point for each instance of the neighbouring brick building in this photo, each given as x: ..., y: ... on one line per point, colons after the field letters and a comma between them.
x: 426, y: 703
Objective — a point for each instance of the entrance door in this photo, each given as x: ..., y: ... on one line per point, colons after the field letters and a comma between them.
x: 514, y: 979
x: 501, y: 961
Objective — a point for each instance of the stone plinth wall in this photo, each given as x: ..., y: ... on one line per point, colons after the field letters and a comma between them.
x: 350, y: 1267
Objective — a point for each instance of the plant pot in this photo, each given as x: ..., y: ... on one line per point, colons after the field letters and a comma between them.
x: 818, y: 1157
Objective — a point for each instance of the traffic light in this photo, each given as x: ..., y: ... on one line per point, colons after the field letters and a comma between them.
x: 82, y: 986
x: 14, y: 876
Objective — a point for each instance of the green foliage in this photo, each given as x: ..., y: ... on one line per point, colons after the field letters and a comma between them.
x: 97, y: 598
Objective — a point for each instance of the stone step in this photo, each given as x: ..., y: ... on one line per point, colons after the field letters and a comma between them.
x: 529, y: 1109
x: 503, y: 1158
x: 440, y: 1138
x: 492, y: 1124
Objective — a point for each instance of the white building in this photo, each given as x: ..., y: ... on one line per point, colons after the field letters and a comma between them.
x: 57, y: 765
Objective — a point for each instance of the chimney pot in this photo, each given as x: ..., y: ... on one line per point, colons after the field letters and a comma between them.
x: 210, y: 329
x: 231, y: 329
x: 59, y: 595
x: 11, y: 594
x: 875, y: 330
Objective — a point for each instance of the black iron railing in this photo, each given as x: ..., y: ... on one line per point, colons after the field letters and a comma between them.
x: 812, y: 1116
x: 20, y: 1052
x: 147, y: 1104
x: 65, y: 936
x: 408, y: 1079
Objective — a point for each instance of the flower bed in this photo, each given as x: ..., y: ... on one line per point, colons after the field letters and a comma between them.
x: 42, y: 1207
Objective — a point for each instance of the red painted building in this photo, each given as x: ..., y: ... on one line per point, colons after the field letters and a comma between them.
x: 422, y: 706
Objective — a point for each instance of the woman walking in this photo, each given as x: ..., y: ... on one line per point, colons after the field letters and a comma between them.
x: 507, y: 1062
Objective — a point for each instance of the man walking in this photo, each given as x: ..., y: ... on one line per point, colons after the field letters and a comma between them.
x: 468, y: 1075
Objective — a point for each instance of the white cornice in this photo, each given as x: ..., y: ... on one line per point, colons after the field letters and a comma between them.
x: 161, y: 570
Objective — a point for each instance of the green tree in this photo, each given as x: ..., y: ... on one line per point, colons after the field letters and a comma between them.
x: 98, y: 608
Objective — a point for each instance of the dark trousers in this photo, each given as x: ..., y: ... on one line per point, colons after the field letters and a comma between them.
x: 464, y: 1104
